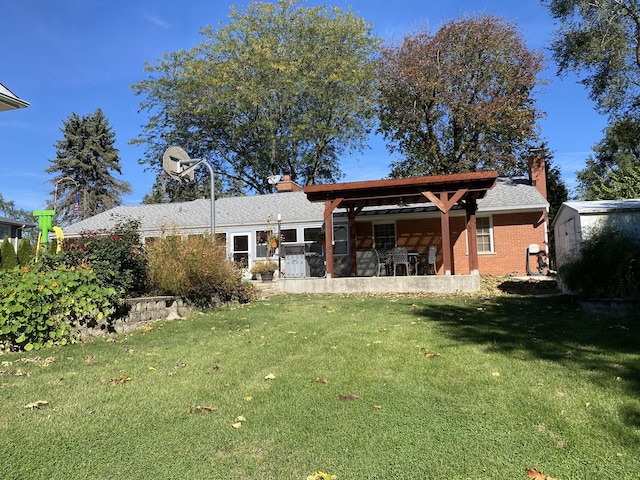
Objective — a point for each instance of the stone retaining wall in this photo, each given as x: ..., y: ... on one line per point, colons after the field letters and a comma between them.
x: 142, y: 311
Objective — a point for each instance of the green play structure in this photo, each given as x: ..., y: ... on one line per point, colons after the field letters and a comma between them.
x: 45, y: 224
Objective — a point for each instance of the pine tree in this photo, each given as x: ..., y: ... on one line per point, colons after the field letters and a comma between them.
x: 85, y: 159
x: 8, y: 254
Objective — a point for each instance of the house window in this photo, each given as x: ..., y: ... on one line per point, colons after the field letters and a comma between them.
x: 261, y: 242
x: 384, y: 236
x: 314, y: 238
x: 289, y: 235
x: 341, y: 240
x: 5, y: 232
x: 484, y: 235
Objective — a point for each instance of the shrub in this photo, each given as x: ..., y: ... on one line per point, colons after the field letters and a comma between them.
x: 8, y: 255
x: 607, y: 266
x: 25, y: 252
x: 116, y: 255
x: 41, y: 306
x: 263, y: 267
x: 195, y: 268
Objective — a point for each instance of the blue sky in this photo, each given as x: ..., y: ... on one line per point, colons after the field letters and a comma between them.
x: 79, y: 55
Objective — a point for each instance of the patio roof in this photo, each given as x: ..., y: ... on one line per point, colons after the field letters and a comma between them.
x: 402, y: 190
x: 444, y: 191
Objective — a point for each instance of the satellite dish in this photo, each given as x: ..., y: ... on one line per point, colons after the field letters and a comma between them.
x: 273, y: 179
x: 171, y: 164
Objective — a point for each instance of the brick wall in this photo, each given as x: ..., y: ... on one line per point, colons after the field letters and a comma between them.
x: 512, y: 234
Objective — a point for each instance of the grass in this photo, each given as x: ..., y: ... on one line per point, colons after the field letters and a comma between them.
x: 448, y: 387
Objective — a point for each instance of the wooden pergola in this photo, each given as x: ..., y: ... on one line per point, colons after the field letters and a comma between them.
x: 443, y: 191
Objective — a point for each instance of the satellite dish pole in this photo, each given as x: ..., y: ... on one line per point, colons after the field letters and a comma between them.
x: 173, y: 162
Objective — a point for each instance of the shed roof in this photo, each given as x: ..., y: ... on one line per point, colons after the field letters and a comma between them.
x: 603, y: 206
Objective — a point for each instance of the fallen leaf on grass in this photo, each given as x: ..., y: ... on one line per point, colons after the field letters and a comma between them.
x: 378, y: 407
x: 322, y: 380
x: 431, y: 354
x: 537, y: 475
x: 271, y: 376
x: 36, y: 405
x: 348, y: 398
x: 120, y: 380
x: 238, y: 422
x: 198, y: 409
x: 321, y: 476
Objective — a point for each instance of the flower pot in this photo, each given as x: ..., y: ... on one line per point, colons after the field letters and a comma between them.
x: 266, y: 276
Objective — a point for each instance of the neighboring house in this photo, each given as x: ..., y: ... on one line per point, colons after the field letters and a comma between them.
x: 9, y: 228
x: 12, y: 229
x: 576, y: 221
x: 9, y: 101
x: 511, y: 217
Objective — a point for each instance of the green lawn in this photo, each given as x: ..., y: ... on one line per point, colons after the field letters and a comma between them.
x: 447, y: 388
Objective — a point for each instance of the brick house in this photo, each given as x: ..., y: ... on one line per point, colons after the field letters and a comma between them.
x: 510, y: 217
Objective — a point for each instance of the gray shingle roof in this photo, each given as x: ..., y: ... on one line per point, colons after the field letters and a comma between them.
x: 604, y: 206
x: 512, y: 193
x: 194, y: 217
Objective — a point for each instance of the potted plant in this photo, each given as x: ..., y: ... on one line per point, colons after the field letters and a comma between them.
x: 265, y: 269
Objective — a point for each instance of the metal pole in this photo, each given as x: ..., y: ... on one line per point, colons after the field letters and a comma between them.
x: 211, y: 182
x: 279, y: 244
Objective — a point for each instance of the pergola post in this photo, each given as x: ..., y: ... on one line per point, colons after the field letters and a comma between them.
x: 329, y: 207
x: 471, y: 207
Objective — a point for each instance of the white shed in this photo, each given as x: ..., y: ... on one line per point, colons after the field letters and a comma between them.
x: 576, y: 221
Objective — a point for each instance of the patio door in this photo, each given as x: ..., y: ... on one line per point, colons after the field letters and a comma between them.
x: 240, y: 249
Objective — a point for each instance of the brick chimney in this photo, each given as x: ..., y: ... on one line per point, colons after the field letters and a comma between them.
x: 538, y: 174
x: 288, y: 185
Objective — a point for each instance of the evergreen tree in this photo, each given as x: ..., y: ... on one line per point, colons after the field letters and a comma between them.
x: 86, y: 159
x: 25, y: 252
x: 8, y: 255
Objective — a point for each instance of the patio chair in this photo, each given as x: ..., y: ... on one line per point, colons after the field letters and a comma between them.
x: 399, y: 256
x: 381, y: 265
x: 431, y: 260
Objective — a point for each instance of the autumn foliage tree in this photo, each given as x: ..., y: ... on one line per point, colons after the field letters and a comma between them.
x: 461, y: 99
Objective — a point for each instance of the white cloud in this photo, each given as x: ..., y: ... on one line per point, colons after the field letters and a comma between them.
x: 155, y: 19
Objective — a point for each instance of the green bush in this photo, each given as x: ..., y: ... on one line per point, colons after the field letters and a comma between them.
x: 8, y: 255
x: 196, y: 269
x: 607, y: 266
x: 42, y: 306
x: 116, y: 255
x: 25, y: 252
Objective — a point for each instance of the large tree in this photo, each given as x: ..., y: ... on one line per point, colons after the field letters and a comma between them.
x: 601, y: 41
x: 281, y: 88
x: 460, y: 100
x: 84, y: 167
x: 613, y: 171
